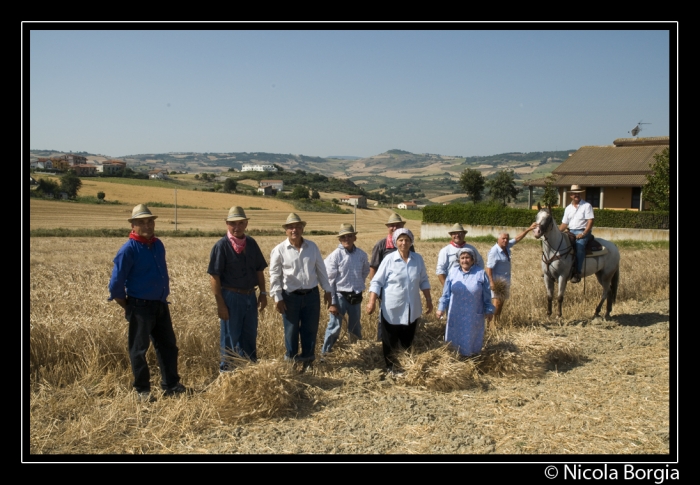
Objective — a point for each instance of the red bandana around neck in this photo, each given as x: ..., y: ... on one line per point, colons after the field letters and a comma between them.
x: 390, y: 242
x: 238, y: 244
x: 141, y: 239
x: 458, y: 245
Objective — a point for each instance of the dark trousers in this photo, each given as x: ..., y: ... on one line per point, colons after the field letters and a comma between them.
x: 392, y: 335
x: 149, y: 321
x: 301, y: 323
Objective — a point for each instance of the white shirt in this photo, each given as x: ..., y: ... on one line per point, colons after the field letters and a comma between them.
x: 292, y: 270
x: 402, y: 283
x: 576, y: 218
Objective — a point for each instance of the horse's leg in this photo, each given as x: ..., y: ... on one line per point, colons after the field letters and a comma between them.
x: 605, y: 283
x: 549, y: 284
x: 562, y: 289
x: 612, y: 294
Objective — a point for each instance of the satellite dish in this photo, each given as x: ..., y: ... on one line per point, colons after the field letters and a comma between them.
x: 635, y: 131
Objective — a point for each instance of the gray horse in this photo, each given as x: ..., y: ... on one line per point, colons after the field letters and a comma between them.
x: 558, y: 259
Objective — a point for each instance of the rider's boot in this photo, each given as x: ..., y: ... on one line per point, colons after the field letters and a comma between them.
x: 576, y: 276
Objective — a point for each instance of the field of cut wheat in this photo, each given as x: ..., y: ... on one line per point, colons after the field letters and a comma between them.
x: 541, y: 386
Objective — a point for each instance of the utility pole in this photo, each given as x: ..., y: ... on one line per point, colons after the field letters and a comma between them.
x: 176, y: 209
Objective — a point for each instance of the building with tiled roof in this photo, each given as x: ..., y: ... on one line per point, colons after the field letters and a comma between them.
x: 612, y: 175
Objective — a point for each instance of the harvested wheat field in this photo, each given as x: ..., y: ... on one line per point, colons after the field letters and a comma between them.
x: 540, y: 386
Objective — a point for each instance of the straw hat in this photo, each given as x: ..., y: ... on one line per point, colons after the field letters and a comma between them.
x: 394, y: 219
x: 576, y: 189
x: 236, y: 213
x: 346, y: 229
x: 292, y: 218
x: 141, y: 212
x: 457, y: 228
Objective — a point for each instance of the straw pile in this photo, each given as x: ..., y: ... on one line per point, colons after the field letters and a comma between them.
x: 525, y: 354
x: 439, y: 369
x: 264, y: 390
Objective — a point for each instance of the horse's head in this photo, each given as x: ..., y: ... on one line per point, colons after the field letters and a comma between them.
x: 544, y: 221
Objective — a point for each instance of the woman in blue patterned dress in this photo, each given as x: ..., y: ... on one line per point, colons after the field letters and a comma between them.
x: 467, y: 298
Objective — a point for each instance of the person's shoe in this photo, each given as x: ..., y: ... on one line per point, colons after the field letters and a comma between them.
x: 177, y: 389
x: 145, y: 396
x: 575, y: 278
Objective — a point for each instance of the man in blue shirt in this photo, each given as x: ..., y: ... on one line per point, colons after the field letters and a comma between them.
x: 498, y: 267
x: 140, y: 284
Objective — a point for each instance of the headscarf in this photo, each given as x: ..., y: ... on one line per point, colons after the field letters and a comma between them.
x: 467, y: 250
x: 399, y: 232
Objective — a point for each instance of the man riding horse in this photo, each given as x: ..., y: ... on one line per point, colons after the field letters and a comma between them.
x: 578, y: 218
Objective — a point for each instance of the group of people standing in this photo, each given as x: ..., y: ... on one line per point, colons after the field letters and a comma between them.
x: 398, y: 276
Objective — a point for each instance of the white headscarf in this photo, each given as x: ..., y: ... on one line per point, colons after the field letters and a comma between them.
x: 399, y: 232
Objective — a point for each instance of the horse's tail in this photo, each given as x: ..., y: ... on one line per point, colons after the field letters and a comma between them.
x: 613, y: 286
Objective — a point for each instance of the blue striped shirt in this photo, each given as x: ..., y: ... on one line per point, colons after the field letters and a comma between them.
x: 347, y: 271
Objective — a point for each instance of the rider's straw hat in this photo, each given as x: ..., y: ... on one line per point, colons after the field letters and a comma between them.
x: 576, y: 189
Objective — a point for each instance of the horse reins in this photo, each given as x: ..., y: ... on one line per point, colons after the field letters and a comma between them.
x: 557, y: 253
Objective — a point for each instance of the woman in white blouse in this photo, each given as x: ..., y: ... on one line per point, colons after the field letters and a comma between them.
x: 399, y: 280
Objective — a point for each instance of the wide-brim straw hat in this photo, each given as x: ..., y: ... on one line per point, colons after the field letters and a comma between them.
x: 346, y: 229
x: 236, y: 213
x: 395, y: 219
x: 141, y: 212
x: 292, y: 218
x: 457, y: 228
x: 576, y: 189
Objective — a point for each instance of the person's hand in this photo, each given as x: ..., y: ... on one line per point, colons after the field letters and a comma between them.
x: 532, y: 226
x: 121, y: 302
x: 328, y: 298
x: 334, y: 310
x: 262, y: 302
x: 439, y: 314
x: 429, y: 306
x: 281, y: 307
x: 370, y: 307
x: 222, y: 310
x: 579, y: 236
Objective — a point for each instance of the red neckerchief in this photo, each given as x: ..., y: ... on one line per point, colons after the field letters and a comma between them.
x: 460, y: 246
x: 238, y: 244
x: 141, y: 239
x: 390, y: 242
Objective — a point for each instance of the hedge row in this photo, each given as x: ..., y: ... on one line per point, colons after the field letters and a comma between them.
x: 489, y: 215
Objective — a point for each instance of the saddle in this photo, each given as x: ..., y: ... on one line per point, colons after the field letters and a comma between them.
x: 593, y: 247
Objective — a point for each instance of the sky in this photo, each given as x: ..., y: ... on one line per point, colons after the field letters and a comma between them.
x: 343, y: 92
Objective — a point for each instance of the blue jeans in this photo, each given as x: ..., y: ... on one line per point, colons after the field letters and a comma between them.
x: 240, y: 332
x: 301, y: 322
x: 335, y: 322
x: 581, y: 248
x: 149, y: 321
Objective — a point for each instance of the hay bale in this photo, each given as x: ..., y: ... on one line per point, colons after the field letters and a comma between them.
x: 439, y: 369
x: 256, y: 391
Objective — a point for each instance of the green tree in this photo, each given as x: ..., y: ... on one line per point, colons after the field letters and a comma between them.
x: 47, y: 186
x: 315, y: 194
x: 502, y: 187
x: 101, y: 196
x: 230, y: 185
x: 657, y: 189
x: 472, y: 182
x: 70, y: 184
x: 551, y: 195
x: 300, y: 192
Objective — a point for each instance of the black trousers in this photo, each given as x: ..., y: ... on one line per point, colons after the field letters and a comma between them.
x: 149, y: 321
x: 392, y: 335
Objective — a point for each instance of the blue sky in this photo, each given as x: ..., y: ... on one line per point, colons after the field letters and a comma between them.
x: 344, y: 92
